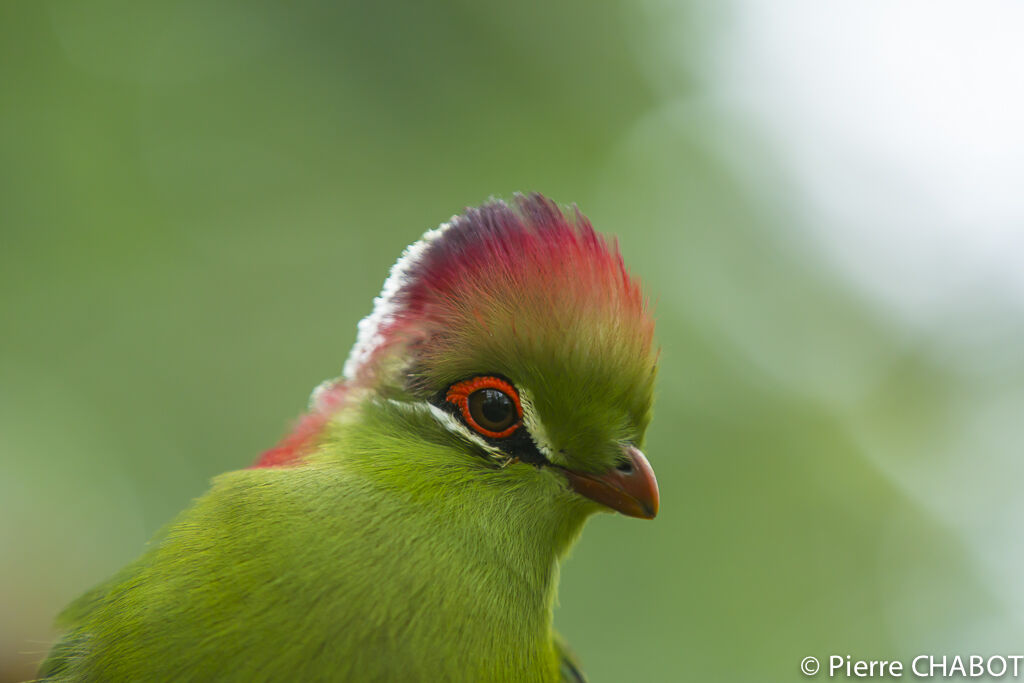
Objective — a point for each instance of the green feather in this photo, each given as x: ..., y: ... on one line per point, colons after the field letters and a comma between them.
x: 396, y: 548
x: 381, y: 557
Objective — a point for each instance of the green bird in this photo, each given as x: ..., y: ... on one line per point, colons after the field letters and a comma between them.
x: 410, y: 528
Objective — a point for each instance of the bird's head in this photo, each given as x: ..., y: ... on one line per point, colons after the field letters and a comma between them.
x: 518, y: 330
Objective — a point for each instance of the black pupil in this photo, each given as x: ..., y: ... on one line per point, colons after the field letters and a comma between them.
x: 492, y: 409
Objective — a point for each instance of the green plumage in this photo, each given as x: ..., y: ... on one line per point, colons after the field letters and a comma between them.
x: 394, y: 549
x: 376, y: 559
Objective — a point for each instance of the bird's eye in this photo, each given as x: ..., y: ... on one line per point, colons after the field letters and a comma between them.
x: 492, y: 409
x: 489, y: 405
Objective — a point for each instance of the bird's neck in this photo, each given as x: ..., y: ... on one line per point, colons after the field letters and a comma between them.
x: 488, y: 538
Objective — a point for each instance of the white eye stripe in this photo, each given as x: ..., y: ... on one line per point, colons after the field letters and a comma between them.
x: 447, y: 420
x: 533, y: 424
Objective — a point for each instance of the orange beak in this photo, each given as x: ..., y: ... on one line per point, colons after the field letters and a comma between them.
x: 629, y: 487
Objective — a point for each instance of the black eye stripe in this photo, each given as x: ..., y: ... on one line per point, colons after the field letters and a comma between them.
x: 518, y: 443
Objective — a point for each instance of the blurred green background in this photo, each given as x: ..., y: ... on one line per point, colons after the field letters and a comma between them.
x: 199, y: 200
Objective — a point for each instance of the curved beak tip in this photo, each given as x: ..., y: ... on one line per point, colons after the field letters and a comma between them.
x: 630, y: 488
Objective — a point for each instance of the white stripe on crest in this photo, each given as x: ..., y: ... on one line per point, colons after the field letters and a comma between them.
x: 370, y: 335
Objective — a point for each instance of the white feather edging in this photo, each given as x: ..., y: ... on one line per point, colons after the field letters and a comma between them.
x: 370, y: 335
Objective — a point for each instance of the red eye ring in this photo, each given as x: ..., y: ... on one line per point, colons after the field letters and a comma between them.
x: 460, y: 392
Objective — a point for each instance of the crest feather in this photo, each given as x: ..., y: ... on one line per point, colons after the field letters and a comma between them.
x: 520, y: 262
